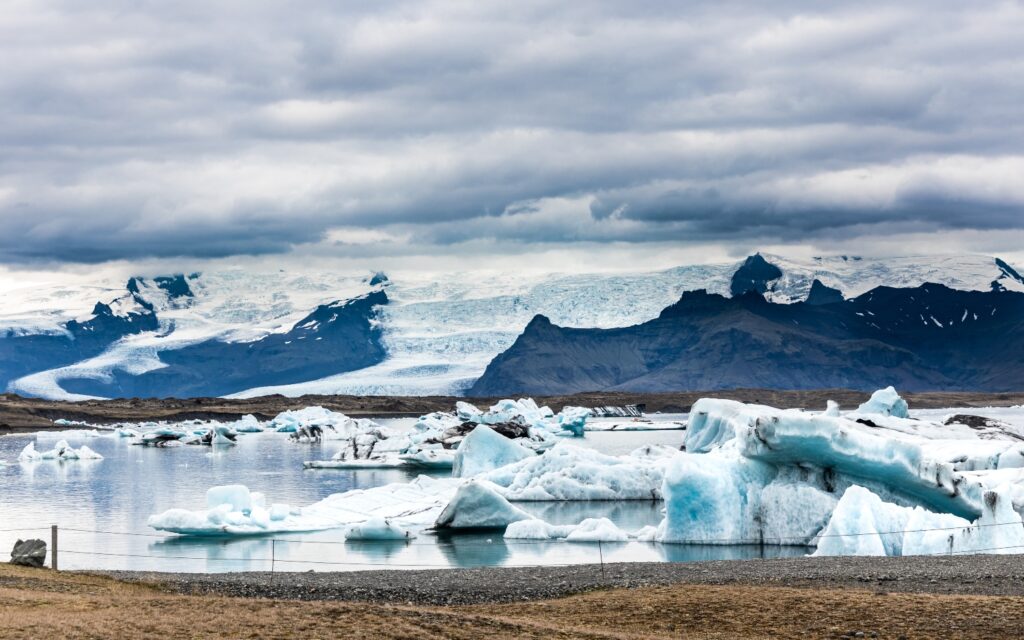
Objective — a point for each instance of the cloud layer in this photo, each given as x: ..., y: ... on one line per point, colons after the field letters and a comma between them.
x: 133, y: 130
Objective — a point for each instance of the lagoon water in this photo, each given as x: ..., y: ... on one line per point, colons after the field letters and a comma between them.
x: 101, y: 507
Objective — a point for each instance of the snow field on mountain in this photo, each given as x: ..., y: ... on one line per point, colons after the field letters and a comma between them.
x: 440, y: 330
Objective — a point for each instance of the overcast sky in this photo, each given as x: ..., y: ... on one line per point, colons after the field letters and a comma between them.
x: 189, y: 132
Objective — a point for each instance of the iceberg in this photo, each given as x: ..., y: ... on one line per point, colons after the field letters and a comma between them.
x: 378, y: 528
x: 924, y: 462
x: 413, y: 506
x: 247, y: 424
x: 573, y: 420
x: 542, y: 421
x: 716, y: 499
x: 569, y: 472
x: 886, y: 402
x: 485, y: 450
x: 478, y: 505
x: 590, y: 530
x: 62, y: 451
x: 865, y: 525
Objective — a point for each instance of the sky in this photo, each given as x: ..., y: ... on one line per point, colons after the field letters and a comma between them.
x: 590, y: 135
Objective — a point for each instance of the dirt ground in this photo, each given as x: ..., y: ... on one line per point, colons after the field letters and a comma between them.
x: 18, y: 413
x: 42, y: 604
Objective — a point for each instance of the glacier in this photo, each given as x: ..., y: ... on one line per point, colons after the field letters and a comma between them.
x: 440, y: 330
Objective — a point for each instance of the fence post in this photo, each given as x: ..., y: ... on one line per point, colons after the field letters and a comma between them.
x: 600, y: 552
x: 53, y: 547
x: 273, y: 554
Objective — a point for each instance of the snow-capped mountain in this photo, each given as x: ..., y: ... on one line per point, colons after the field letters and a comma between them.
x: 424, y: 333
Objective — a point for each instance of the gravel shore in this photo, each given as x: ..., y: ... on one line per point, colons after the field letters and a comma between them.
x: 970, y: 575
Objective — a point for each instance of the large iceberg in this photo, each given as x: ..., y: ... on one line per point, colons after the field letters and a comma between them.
x: 411, y: 506
x: 485, y: 450
x: 922, y: 461
x: 758, y: 474
x: 569, y: 472
x: 478, y: 505
x: 865, y: 525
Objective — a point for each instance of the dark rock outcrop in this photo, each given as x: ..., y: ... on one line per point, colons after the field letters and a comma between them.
x: 29, y: 553
x: 821, y: 294
x: 924, y: 338
x: 753, y: 275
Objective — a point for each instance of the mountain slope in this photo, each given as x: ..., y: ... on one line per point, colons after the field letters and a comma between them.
x: 928, y: 337
x: 436, y: 334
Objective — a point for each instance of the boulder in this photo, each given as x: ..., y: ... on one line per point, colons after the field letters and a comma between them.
x: 29, y: 553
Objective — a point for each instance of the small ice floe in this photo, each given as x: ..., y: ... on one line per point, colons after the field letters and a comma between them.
x: 378, y: 528
x: 247, y: 424
x: 590, y: 530
x: 62, y: 451
x: 234, y: 510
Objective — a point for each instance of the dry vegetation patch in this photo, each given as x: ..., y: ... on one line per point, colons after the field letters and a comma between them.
x: 39, y: 603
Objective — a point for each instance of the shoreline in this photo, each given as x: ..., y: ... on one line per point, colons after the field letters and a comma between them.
x: 86, y: 605
x: 19, y: 414
x: 989, y: 575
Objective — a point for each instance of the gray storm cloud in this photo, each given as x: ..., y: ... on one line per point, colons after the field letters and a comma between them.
x: 133, y: 130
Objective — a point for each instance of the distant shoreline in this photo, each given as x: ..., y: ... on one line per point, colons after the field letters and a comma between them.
x: 19, y: 414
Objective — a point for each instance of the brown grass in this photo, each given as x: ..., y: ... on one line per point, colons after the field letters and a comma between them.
x: 41, y: 604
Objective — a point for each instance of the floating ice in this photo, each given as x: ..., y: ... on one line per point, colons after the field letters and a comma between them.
x: 542, y: 420
x: 247, y: 424
x: 568, y: 472
x: 478, y: 505
x: 414, y: 506
x: 886, y: 402
x: 484, y: 450
x: 378, y: 528
x: 590, y: 530
x: 864, y: 525
x: 62, y: 451
x: 573, y: 420
x: 922, y: 461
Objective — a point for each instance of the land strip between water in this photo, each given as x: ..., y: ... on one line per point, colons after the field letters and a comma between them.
x: 18, y: 413
x: 814, y: 598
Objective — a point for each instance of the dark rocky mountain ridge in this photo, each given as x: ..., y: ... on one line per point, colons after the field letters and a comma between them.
x: 924, y: 338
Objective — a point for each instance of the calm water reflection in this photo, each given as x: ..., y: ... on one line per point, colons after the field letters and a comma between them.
x: 119, y: 493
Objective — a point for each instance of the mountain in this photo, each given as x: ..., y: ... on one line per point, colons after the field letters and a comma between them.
x: 336, y: 337
x: 927, y: 337
x: 436, y: 333
x: 79, y: 339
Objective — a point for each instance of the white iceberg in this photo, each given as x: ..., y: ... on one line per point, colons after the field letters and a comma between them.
x: 886, y: 402
x: 485, y: 450
x: 414, y: 506
x: 569, y: 472
x: 865, y: 525
x: 62, y: 451
x: 924, y: 462
x: 378, y: 528
x: 478, y: 505
x: 247, y: 424
x: 590, y: 530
